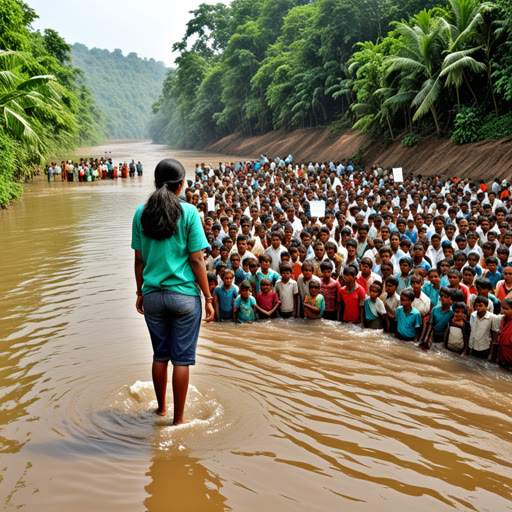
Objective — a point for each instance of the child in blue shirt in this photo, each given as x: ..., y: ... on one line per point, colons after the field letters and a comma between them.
x: 245, y: 305
x: 492, y: 270
x: 439, y: 318
x: 224, y: 297
x: 408, y: 318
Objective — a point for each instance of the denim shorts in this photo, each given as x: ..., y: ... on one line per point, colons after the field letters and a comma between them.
x: 173, y: 320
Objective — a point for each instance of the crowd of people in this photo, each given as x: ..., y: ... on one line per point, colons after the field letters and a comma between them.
x: 92, y: 169
x: 426, y: 260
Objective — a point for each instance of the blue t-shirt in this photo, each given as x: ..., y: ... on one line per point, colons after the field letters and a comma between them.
x: 439, y: 320
x: 271, y: 274
x: 226, y: 299
x: 494, y: 278
x: 368, y: 312
x: 433, y: 294
x: 407, y: 324
x: 245, y: 311
x: 240, y: 276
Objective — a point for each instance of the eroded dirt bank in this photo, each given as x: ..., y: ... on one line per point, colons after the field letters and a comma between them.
x: 480, y: 160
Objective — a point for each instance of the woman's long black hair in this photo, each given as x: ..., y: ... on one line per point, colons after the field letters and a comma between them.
x: 163, y: 209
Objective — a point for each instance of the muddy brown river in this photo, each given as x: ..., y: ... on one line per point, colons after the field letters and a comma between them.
x: 287, y: 415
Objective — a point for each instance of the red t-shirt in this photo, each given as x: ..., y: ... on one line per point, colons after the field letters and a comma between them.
x: 267, y: 302
x: 332, y: 294
x: 353, y: 301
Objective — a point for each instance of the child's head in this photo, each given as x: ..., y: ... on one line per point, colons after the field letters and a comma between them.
x: 227, y: 277
x: 391, y: 285
x: 314, y: 288
x: 351, y: 247
x: 386, y: 270
x: 459, y: 311
x: 406, y: 298
x: 503, y: 254
x: 483, y: 286
x: 492, y: 263
x: 349, y: 275
x: 212, y: 281
x: 459, y: 259
x: 481, y: 304
x: 488, y: 249
x: 405, y: 265
x: 285, y: 257
x: 385, y: 254
x: 253, y: 265
x: 375, y: 290
x: 468, y: 276
x: 265, y: 261
x: 473, y: 259
x: 454, y: 278
x: 307, y: 270
x: 365, y: 266
x: 241, y: 243
x: 326, y: 269
x: 221, y: 267
x: 285, y: 269
x: 245, y: 289
x: 446, y: 296
x: 215, y: 250
x: 434, y: 277
x: 294, y: 254
x: 266, y: 285
x: 319, y: 250
x: 416, y: 283
x: 444, y: 266
x: 303, y: 252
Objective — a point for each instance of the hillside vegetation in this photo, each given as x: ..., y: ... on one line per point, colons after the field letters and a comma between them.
x: 386, y: 67
x: 124, y: 87
x: 45, y: 106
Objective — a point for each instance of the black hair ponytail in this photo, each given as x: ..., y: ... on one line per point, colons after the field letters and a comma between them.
x: 163, y: 209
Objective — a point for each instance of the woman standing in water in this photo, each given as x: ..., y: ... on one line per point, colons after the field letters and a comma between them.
x: 168, y: 239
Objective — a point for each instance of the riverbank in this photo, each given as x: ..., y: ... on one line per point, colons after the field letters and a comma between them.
x: 479, y: 160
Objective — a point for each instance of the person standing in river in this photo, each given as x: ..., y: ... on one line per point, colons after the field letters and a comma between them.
x: 168, y: 239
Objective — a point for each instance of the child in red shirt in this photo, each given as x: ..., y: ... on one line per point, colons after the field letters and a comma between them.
x: 353, y: 297
x: 267, y: 301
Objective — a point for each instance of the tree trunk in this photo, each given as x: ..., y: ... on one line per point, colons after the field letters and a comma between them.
x: 434, y: 115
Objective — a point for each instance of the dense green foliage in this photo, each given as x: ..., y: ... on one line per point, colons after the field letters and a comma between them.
x: 384, y: 67
x: 45, y: 108
x: 125, y: 88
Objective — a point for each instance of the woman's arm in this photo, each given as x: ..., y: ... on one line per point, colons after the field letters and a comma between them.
x: 139, y: 268
x: 196, y: 260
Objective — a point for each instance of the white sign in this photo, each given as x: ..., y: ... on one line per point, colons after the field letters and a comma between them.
x: 211, y: 204
x: 398, y: 175
x: 317, y: 208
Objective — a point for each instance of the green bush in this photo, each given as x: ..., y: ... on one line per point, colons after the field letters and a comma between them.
x: 9, y: 189
x: 466, y: 126
x: 496, y: 127
x: 410, y: 140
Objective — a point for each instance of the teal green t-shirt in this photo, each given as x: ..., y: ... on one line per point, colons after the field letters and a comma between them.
x: 166, y: 265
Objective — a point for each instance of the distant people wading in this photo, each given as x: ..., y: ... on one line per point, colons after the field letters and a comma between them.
x: 169, y: 242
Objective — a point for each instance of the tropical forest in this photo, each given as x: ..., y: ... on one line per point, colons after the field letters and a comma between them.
x: 392, y: 69
x: 45, y: 106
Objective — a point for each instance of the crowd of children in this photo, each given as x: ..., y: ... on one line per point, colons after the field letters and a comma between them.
x: 91, y: 169
x: 426, y: 260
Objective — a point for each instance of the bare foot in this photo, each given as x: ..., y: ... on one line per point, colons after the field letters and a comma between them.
x: 161, y: 413
x: 181, y: 422
x: 424, y: 346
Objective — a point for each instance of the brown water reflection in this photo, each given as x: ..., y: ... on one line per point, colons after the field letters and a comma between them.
x: 289, y: 416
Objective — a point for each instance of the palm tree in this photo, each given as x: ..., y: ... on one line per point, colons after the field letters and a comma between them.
x: 26, y: 101
x: 419, y: 63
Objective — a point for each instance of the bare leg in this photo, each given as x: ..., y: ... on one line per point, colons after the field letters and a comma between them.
x: 160, y: 383
x: 179, y: 392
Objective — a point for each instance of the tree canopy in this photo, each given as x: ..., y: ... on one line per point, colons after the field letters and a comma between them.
x: 385, y: 67
x: 45, y: 107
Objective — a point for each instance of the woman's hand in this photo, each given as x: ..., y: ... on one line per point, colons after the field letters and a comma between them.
x: 140, y: 304
x: 210, y: 312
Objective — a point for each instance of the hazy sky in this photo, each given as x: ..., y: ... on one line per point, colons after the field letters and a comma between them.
x: 147, y: 27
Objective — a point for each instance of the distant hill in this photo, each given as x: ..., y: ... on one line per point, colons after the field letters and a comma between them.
x: 124, y: 87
